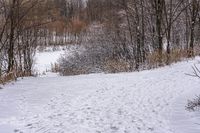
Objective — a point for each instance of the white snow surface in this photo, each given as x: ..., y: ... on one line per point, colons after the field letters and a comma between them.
x: 48, y: 57
x: 150, y: 101
x: 44, y: 60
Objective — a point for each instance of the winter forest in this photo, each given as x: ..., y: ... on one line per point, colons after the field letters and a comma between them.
x: 99, y: 66
x: 120, y: 35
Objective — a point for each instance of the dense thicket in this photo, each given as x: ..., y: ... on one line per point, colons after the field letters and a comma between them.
x: 140, y: 34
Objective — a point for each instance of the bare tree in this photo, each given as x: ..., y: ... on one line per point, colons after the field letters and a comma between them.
x: 194, y: 10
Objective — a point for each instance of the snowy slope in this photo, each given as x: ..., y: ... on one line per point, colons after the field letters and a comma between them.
x: 45, y: 60
x: 139, y: 102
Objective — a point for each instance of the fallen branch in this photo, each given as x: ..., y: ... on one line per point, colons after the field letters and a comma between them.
x: 196, y: 72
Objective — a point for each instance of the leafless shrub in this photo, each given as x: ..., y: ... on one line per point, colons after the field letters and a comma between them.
x: 114, y: 66
x: 8, y: 77
x: 176, y: 55
x: 196, y: 72
x: 90, y: 61
x: 194, y: 104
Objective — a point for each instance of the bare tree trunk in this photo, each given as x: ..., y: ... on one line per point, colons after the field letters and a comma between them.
x: 11, y: 38
x: 143, y: 33
x: 125, y: 6
x: 138, y: 37
x: 194, y: 13
x: 158, y: 7
x: 168, y: 17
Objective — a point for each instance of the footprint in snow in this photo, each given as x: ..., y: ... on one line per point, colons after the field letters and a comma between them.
x: 17, y: 131
x: 114, y: 128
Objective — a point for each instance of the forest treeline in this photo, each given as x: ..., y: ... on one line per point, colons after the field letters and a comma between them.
x: 119, y: 35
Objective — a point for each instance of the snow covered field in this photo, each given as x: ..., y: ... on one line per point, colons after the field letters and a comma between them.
x: 140, y: 102
x: 45, y: 60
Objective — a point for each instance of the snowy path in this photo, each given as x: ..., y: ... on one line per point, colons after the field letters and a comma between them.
x: 144, y: 102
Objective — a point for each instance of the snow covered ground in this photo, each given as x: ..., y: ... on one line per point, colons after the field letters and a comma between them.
x: 48, y: 57
x: 44, y: 60
x: 140, y: 102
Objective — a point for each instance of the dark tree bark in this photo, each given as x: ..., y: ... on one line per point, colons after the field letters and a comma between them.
x: 158, y: 8
x: 11, y: 38
x: 194, y: 13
